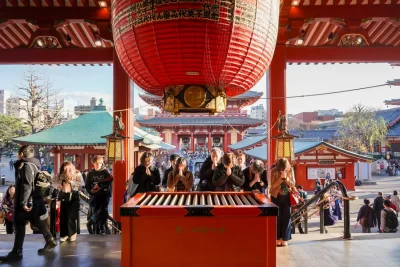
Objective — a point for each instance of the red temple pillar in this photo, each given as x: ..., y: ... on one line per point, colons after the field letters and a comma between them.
x: 56, y: 160
x: 122, y: 103
x: 61, y: 156
x: 225, y: 141
x: 192, y: 141
x: 209, y: 141
x: 276, y: 97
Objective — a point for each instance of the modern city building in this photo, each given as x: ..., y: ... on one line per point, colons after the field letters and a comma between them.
x: 4, y: 96
x: 82, y: 109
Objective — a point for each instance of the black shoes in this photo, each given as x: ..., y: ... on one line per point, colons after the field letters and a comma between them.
x: 51, y: 243
x: 14, y: 255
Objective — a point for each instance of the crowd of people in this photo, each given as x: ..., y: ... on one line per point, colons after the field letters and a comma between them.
x: 23, y: 203
x: 383, y: 214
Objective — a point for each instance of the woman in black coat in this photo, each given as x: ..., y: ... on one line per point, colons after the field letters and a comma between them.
x: 146, y: 176
x: 228, y: 176
x: 255, y: 177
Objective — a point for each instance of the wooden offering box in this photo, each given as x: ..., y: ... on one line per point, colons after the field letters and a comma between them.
x: 199, y: 229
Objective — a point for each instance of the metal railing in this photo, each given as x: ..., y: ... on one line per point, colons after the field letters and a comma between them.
x: 84, y: 209
x: 319, y: 199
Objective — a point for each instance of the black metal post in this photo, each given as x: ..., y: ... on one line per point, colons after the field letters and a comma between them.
x: 321, y: 218
x: 78, y: 224
x: 53, y: 217
x: 347, y: 234
x: 306, y: 222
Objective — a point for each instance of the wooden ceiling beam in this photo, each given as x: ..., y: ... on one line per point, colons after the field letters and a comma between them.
x: 347, y: 12
x: 24, y: 56
x: 336, y: 54
x: 56, y: 13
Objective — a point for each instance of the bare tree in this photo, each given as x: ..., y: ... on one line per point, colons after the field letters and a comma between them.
x: 39, y: 101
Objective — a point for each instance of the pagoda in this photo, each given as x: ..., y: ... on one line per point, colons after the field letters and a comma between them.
x: 201, y: 132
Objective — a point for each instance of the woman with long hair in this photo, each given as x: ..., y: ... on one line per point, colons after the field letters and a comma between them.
x: 180, y: 178
x: 8, y: 206
x: 282, y: 184
x: 68, y: 180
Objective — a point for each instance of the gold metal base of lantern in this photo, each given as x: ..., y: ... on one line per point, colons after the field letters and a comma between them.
x: 194, y: 99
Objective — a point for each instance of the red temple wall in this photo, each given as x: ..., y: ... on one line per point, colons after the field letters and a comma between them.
x: 347, y: 171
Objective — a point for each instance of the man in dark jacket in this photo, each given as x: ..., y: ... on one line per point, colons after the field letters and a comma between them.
x: 98, y: 185
x: 228, y: 176
x: 378, y: 207
x: 147, y: 176
x: 172, y: 159
x: 27, y: 207
x: 207, y: 170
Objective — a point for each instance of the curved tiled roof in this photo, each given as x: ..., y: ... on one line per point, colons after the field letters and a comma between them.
x: 394, y: 131
x: 248, y: 141
x: 391, y: 116
x: 249, y: 95
x: 300, y: 147
x: 322, y: 135
x: 204, y: 121
x: 87, y: 129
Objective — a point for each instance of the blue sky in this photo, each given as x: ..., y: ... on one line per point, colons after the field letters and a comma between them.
x: 79, y: 83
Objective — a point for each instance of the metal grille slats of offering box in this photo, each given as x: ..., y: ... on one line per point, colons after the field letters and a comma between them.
x: 199, y: 204
x: 210, y: 199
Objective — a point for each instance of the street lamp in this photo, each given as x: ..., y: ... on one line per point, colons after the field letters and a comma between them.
x: 115, y: 142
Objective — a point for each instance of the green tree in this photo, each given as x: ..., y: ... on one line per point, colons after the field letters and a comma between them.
x: 10, y: 128
x: 360, y: 129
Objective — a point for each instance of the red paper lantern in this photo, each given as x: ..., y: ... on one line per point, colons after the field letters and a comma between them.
x: 224, y: 44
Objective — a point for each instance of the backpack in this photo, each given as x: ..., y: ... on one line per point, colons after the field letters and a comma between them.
x: 391, y: 221
x: 41, y: 182
x: 132, y: 187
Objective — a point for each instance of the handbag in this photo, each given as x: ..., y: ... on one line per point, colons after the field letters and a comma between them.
x: 364, y: 220
x: 294, y: 199
x: 9, y: 215
x: 132, y: 190
x: 2, y: 217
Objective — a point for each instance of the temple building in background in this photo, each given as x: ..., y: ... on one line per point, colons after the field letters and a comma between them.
x: 200, y: 132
